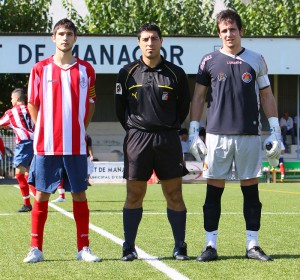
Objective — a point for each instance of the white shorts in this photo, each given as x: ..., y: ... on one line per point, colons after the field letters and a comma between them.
x: 223, y: 150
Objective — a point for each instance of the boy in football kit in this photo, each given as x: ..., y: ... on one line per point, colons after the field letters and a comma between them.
x: 61, y: 101
x: 152, y: 101
x: 18, y: 118
x: 238, y: 80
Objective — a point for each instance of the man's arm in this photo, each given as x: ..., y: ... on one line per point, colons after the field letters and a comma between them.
x: 33, y: 110
x: 198, y: 102
x: 90, y: 115
x: 268, y: 102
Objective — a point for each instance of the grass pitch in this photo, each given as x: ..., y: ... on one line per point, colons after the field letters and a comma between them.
x: 279, y: 236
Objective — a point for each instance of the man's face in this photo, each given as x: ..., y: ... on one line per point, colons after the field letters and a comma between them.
x: 150, y: 44
x: 64, y: 39
x: 14, y: 100
x: 230, y: 35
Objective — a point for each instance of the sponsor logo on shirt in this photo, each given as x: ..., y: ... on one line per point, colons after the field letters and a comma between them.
x: 118, y: 88
x: 247, y: 77
x: 222, y: 77
x: 52, y: 81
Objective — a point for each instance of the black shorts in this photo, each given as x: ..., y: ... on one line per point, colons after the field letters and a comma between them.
x: 147, y: 151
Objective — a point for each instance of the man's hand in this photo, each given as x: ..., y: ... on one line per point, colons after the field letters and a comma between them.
x: 273, y: 143
x: 196, y: 145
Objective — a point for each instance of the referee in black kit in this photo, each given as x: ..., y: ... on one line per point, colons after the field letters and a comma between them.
x: 152, y: 100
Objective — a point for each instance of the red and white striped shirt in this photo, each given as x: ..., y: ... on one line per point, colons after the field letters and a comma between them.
x: 63, y: 97
x: 18, y: 118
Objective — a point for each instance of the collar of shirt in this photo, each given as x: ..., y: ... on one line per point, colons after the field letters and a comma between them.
x: 157, y: 68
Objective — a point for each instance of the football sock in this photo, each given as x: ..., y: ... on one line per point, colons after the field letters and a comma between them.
x: 211, y: 238
x: 61, y: 192
x: 251, y: 239
x: 177, y: 220
x: 39, y: 215
x: 131, y: 221
x: 24, y: 188
x: 212, y: 208
x: 252, y: 207
x: 33, y: 189
x: 281, y: 166
x: 81, y: 216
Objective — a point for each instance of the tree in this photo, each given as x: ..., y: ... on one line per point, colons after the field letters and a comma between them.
x: 17, y: 16
x: 269, y: 17
x: 187, y: 17
x: 181, y: 17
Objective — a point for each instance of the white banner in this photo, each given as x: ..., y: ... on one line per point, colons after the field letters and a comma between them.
x: 112, y: 172
x: 108, y: 54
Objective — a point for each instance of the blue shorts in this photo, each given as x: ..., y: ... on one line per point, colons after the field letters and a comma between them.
x: 46, y: 173
x: 23, y: 153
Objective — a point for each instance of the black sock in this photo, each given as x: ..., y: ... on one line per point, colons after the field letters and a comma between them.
x: 252, y: 207
x: 212, y: 208
x: 177, y: 220
x: 131, y: 221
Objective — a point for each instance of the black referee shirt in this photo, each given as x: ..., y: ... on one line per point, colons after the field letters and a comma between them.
x: 152, y: 99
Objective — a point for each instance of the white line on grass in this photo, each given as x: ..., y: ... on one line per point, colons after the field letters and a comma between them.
x: 152, y: 260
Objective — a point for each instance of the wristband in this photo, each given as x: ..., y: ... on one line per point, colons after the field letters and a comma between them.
x: 274, y: 124
x: 194, y: 127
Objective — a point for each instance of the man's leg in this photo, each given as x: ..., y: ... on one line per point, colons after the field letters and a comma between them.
x: 176, y: 212
x: 132, y: 215
x: 24, y: 188
x: 252, y: 214
x: 212, y: 213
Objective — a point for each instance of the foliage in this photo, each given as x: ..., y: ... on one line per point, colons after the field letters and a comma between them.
x: 17, y: 16
x: 269, y: 17
x: 187, y: 17
x: 180, y: 17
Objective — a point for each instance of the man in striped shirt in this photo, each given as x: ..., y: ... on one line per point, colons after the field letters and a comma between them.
x: 61, y: 100
x: 18, y: 118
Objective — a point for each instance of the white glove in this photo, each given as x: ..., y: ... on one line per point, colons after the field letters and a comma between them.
x: 196, y: 145
x: 273, y: 143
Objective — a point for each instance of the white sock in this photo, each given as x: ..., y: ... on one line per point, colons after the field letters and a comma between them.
x: 252, y: 239
x: 211, y: 238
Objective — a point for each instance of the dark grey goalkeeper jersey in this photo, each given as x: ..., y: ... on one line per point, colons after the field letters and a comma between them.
x: 233, y: 99
x: 152, y: 99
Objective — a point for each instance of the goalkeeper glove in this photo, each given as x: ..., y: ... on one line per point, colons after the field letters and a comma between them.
x: 196, y: 145
x: 273, y: 143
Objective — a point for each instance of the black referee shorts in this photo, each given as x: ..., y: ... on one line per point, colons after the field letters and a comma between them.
x: 147, y: 151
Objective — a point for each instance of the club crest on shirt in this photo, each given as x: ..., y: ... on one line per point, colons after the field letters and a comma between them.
x: 118, y: 88
x: 222, y: 77
x: 165, y: 96
x: 83, y: 82
x: 247, y: 77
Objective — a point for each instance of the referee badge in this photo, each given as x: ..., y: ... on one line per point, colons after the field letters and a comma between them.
x: 118, y: 89
x: 165, y: 96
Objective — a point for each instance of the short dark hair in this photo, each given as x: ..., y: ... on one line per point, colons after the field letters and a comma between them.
x: 20, y: 93
x: 66, y: 23
x: 149, y: 27
x: 229, y: 15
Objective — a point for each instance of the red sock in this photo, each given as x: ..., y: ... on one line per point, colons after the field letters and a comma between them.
x: 81, y: 214
x: 33, y: 189
x: 24, y: 188
x: 281, y: 166
x: 38, y: 219
x: 61, y: 190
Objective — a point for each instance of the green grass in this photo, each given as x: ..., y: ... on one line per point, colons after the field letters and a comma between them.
x: 279, y: 236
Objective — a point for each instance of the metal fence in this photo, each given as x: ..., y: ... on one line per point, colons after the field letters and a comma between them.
x: 6, y: 166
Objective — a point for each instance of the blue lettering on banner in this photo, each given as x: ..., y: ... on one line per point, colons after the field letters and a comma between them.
x: 107, y: 54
